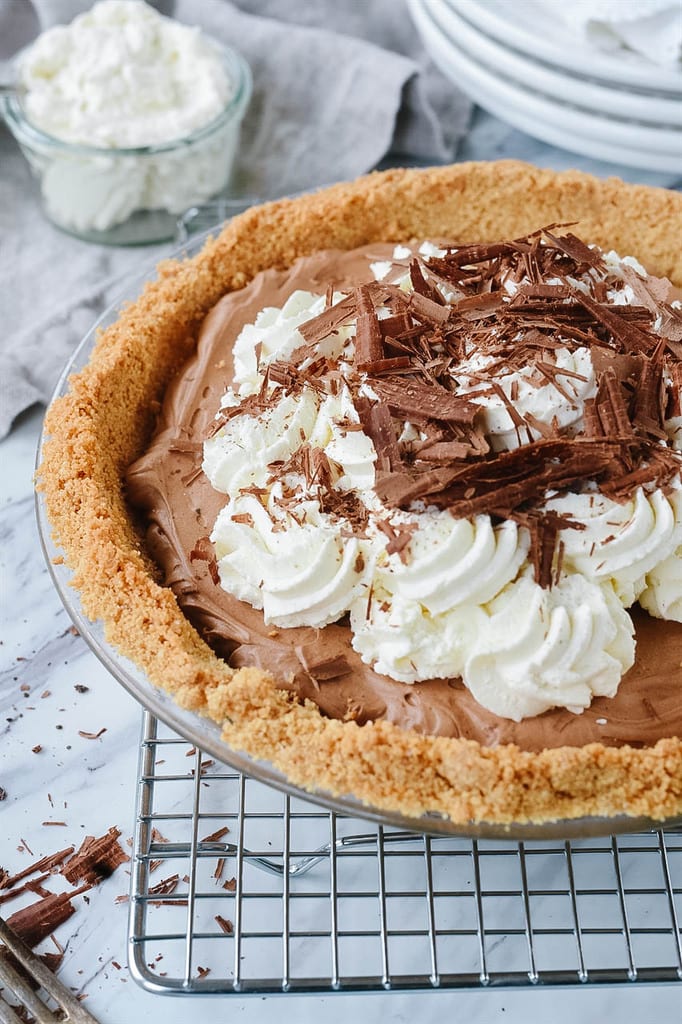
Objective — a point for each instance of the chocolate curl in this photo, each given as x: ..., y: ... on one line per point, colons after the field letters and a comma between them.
x: 369, y: 343
x: 44, y: 864
x: 317, y: 328
x: 649, y: 411
x: 508, y: 480
x: 422, y: 286
x: 611, y: 407
x: 417, y: 401
x: 631, y: 337
x: 377, y: 424
x: 392, y: 327
x: 96, y: 859
x: 428, y: 311
x: 572, y: 246
x: 35, y: 922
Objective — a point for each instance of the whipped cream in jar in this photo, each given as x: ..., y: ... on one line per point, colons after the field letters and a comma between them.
x: 127, y: 118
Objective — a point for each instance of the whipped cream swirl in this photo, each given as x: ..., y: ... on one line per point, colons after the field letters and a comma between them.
x: 621, y: 541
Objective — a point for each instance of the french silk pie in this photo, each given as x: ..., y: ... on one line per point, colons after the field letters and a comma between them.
x: 387, y: 481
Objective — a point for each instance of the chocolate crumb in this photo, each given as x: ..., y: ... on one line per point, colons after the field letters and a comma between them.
x: 225, y: 926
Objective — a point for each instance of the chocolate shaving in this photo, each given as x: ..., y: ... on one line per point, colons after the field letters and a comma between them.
x: 422, y: 286
x: 378, y: 425
x: 53, y: 961
x: 542, y: 291
x: 416, y: 401
x: 216, y: 836
x: 325, y: 669
x: 572, y: 246
x: 203, y: 552
x: 225, y: 926
x: 11, y: 894
x: 381, y: 366
x: 369, y: 343
x: 97, y: 858
x: 610, y: 406
x: 649, y: 402
x: 52, y: 860
x: 34, y: 923
x: 471, y: 307
x: 319, y: 327
x: 628, y: 334
x: 166, y: 887
x: 427, y: 311
x: 502, y: 484
x: 399, y: 536
x: 395, y: 326
x: 443, y: 451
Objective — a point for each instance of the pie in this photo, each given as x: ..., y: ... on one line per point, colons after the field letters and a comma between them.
x: 294, y: 690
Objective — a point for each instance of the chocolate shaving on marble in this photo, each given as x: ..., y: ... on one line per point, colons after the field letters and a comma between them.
x: 47, y: 863
x: 29, y: 886
x: 97, y: 858
x: 34, y: 923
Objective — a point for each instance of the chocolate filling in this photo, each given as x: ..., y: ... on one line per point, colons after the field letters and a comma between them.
x: 181, y: 506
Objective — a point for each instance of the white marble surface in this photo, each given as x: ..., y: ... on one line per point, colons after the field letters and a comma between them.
x: 92, y: 782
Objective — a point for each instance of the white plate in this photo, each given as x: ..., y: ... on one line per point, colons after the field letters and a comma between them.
x: 527, y: 71
x: 526, y: 26
x: 547, y: 119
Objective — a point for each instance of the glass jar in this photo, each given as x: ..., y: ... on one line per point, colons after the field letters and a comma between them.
x: 133, y: 196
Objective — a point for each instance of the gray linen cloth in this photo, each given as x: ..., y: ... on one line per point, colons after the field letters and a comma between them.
x: 339, y: 86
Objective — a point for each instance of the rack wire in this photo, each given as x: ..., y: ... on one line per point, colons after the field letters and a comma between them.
x: 238, y: 888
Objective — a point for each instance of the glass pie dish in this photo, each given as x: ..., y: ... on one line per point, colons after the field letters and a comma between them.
x: 206, y: 734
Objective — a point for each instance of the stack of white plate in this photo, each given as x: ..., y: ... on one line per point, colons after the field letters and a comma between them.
x: 524, y: 67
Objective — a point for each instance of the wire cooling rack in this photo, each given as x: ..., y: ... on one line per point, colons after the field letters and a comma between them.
x: 238, y: 888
